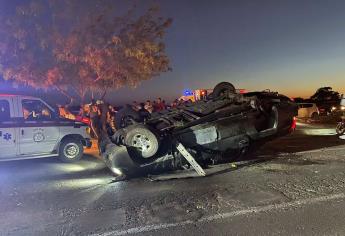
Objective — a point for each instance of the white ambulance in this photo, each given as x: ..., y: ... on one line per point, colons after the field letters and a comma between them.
x: 30, y: 128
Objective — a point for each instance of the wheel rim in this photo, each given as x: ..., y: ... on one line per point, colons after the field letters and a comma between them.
x: 142, y: 143
x: 340, y: 129
x: 71, y: 150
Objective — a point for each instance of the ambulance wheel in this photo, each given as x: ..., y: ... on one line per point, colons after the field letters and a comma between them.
x: 71, y: 150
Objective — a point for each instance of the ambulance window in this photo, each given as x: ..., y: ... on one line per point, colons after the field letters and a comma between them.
x: 35, y: 110
x: 4, y: 110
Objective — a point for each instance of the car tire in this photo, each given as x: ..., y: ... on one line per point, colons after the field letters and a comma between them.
x: 223, y: 87
x: 71, y: 150
x: 125, y: 117
x: 140, y: 139
x: 340, y: 129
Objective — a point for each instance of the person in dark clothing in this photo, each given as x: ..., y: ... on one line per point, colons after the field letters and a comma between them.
x: 95, y: 120
x: 154, y: 106
x: 143, y: 113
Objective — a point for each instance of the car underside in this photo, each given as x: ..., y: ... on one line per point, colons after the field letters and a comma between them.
x: 222, y: 128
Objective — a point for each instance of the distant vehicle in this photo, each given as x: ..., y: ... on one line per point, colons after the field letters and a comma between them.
x: 340, y: 107
x: 202, y: 94
x: 342, y: 102
x: 308, y: 110
x: 30, y: 128
x: 340, y: 129
x: 338, y: 110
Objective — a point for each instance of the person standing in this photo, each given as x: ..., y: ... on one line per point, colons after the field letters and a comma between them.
x: 94, y: 117
x: 148, y: 106
x: 135, y: 106
x: 111, y: 120
x: 143, y: 113
x: 160, y: 105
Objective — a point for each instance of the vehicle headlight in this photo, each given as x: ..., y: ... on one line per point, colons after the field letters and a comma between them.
x: 116, y: 171
x: 333, y: 108
x: 342, y: 108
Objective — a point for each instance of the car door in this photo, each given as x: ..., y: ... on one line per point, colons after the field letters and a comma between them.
x: 8, y: 143
x: 38, y: 133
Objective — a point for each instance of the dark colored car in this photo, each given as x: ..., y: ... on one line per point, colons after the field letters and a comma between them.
x: 219, y: 129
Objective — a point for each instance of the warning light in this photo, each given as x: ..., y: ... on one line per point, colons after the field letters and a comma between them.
x: 188, y: 92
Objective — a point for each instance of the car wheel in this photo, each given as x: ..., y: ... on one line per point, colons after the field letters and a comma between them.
x: 340, y: 129
x: 223, y: 87
x: 71, y: 150
x: 142, y: 140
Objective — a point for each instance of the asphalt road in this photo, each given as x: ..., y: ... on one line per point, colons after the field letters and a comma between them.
x: 294, y: 186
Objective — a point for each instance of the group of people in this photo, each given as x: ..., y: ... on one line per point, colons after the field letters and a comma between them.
x: 157, y: 105
x: 102, y: 115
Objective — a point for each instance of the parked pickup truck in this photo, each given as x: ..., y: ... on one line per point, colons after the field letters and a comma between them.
x: 30, y: 128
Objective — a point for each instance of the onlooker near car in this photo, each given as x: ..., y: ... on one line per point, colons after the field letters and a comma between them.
x: 148, y: 106
x: 135, y: 106
x: 95, y: 119
x: 174, y: 103
x: 111, y: 128
x: 154, y: 106
x: 143, y: 113
x: 160, y: 105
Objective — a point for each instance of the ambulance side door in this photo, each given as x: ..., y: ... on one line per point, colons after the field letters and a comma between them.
x: 8, y: 143
x: 38, y: 133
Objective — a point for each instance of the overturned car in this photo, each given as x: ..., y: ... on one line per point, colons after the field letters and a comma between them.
x: 222, y: 128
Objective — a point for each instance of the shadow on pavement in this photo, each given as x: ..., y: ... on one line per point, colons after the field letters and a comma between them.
x: 299, y: 143
x: 51, y: 168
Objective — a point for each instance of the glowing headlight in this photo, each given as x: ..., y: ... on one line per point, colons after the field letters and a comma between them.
x: 116, y: 171
x: 342, y: 108
x: 333, y: 108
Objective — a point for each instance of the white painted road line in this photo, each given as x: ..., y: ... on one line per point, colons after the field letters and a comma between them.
x: 321, y: 150
x: 227, y: 215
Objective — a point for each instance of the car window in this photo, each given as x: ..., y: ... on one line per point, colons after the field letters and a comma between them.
x: 4, y: 110
x: 35, y: 110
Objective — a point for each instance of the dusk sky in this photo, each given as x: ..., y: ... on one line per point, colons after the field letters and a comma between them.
x: 293, y: 47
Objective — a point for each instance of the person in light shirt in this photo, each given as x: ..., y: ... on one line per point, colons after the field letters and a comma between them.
x: 148, y: 106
